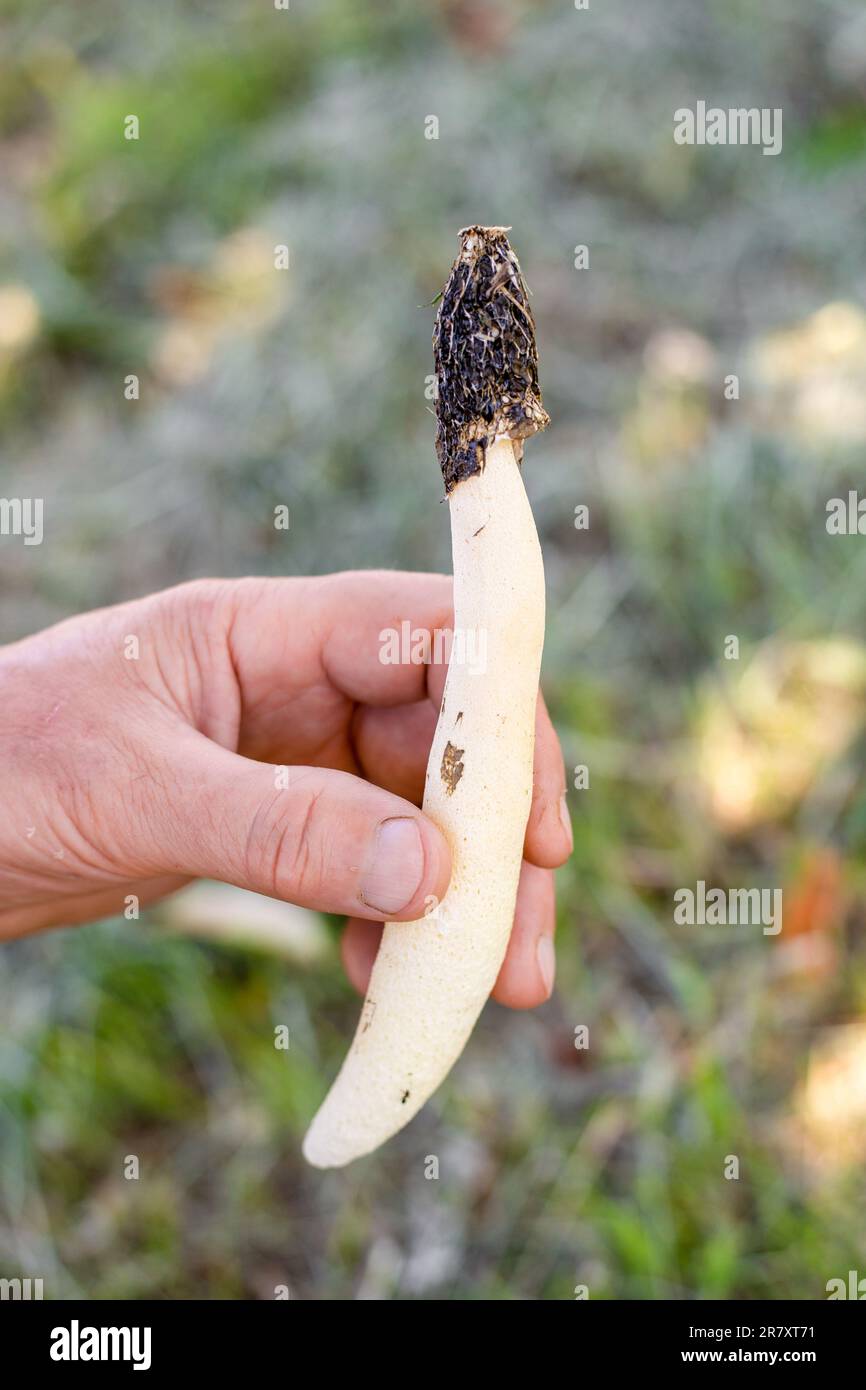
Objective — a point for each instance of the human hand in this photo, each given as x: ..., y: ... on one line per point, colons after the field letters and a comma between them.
x: 247, y: 730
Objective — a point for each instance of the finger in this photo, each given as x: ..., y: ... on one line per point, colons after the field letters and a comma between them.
x: 549, y: 839
x: 88, y: 906
x: 309, y: 835
x: 359, y: 946
x: 361, y: 636
x: 528, y: 971
x: 393, y: 745
x: 526, y: 977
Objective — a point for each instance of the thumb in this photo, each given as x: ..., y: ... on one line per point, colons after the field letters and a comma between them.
x: 310, y: 835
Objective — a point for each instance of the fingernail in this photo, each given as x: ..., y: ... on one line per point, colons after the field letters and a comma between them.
x: 545, y: 954
x: 565, y: 818
x: 395, y: 866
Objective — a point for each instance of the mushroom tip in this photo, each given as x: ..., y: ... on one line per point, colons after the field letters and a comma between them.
x: 479, y: 235
x: 485, y: 355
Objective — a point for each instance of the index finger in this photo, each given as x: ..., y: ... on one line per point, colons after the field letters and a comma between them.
x: 340, y: 628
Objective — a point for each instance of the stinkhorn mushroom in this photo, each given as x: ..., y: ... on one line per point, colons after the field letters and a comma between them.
x: 432, y: 977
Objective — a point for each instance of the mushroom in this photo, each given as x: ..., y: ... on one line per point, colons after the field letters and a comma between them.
x: 432, y: 977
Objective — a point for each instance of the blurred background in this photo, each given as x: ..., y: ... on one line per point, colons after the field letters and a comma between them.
x: 560, y: 1166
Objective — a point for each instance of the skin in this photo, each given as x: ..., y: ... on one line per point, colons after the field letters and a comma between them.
x: 133, y: 776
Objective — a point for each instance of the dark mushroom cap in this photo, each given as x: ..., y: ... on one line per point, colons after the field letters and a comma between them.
x: 485, y: 356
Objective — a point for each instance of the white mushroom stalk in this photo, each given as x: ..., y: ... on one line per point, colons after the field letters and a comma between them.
x: 432, y: 977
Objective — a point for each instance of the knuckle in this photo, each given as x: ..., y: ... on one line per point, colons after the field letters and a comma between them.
x: 284, y: 845
x: 196, y: 606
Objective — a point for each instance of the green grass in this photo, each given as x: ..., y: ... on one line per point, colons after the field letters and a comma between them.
x: 558, y: 1168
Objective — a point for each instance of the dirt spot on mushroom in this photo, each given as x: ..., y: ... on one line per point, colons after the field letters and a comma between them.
x: 452, y: 767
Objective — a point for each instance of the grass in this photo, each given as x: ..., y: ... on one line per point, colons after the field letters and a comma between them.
x: 558, y: 1167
